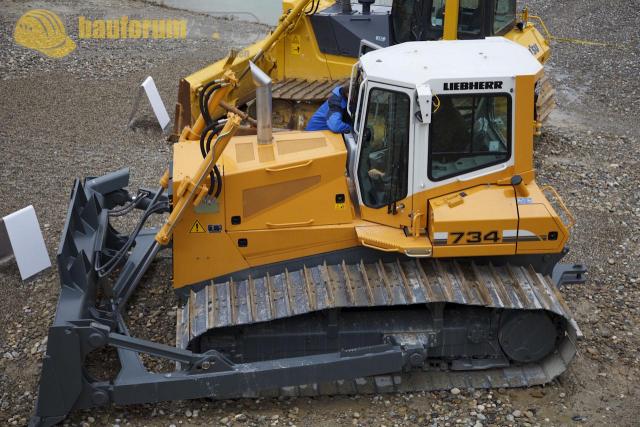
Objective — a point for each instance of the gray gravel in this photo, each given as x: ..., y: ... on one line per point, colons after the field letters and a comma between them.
x: 60, y: 119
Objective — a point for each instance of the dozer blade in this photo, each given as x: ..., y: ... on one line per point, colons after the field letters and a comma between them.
x: 237, y: 309
x: 546, y: 101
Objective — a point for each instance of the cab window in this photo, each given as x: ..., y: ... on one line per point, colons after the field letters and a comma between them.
x: 384, y: 154
x: 467, y: 133
x: 356, y: 98
x: 470, y: 18
x: 504, y: 16
x: 417, y: 20
x: 437, y: 15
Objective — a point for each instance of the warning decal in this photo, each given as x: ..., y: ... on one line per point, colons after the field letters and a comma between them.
x: 295, y: 45
x: 197, y: 228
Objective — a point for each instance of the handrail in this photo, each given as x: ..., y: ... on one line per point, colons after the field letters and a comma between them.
x: 572, y: 219
x: 544, y: 27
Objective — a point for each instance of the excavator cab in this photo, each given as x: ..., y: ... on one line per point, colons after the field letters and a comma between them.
x: 416, y: 20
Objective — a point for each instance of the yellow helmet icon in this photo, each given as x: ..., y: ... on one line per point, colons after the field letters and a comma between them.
x: 42, y: 30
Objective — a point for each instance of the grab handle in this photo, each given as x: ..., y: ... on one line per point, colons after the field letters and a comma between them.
x: 290, y: 167
x: 289, y: 224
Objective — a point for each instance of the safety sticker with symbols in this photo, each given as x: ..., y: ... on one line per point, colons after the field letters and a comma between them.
x: 295, y: 45
x: 197, y: 228
x: 340, y: 206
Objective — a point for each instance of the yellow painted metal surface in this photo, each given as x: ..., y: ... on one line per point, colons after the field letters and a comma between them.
x: 273, y: 245
x: 538, y: 218
x: 293, y: 182
x: 474, y: 221
x: 450, y: 30
x: 290, y: 199
x: 533, y: 40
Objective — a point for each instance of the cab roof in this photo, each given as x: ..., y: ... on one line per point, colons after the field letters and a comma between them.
x: 414, y: 63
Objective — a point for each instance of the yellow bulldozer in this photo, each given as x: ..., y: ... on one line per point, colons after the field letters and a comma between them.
x: 317, y: 42
x: 416, y: 252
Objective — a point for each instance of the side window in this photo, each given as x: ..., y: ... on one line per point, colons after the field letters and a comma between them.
x: 467, y: 133
x: 417, y: 20
x: 437, y: 15
x: 356, y: 98
x: 470, y: 19
x: 504, y: 16
x: 384, y: 155
x: 404, y: 13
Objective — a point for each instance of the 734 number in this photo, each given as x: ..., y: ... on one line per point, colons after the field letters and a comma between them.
x: 475, y: 237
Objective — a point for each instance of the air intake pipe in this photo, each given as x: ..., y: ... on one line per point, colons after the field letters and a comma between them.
x: 263, y: 104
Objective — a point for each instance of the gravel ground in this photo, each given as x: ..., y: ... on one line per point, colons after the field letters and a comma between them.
x: 65, y: 118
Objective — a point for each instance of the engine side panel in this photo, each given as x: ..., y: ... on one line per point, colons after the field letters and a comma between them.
x: 473, y: 221
x: 297, y: 181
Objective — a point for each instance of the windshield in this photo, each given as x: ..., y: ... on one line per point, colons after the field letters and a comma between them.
x: 467, y: 133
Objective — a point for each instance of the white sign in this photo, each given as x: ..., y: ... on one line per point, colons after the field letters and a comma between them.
x: 27, y: 242
x: 150, y: 89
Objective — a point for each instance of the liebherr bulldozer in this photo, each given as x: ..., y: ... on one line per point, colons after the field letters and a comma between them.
x: 317, y: 42
x: 415, y: 253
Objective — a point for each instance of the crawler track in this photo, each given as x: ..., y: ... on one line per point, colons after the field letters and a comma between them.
x: 259, y: 303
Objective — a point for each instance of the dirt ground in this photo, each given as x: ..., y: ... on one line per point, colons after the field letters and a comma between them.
x: 66, y: 118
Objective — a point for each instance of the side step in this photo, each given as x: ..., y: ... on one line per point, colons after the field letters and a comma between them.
x: 401, y: 282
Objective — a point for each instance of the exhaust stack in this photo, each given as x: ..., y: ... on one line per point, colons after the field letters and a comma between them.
x: 366, y: 6
x: 346, y: 7
x: 263, y: 104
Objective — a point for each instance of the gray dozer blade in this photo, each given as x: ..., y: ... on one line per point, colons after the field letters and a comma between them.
x: 89, y: 317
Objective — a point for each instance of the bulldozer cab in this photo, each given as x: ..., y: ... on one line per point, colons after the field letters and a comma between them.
x: 431, y: 131
x: 416, y: 20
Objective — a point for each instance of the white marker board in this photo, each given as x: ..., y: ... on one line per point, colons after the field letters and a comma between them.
x: 27, y: 242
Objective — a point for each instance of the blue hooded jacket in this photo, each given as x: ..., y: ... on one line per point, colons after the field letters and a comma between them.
x: 330, y: 114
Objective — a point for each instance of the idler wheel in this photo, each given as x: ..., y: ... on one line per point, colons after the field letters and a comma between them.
x: 527, y: 336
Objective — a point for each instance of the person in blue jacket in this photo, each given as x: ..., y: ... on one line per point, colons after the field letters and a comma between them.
x: 333, y: 115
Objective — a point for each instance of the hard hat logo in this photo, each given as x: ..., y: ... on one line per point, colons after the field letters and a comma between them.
x: 43, y: 30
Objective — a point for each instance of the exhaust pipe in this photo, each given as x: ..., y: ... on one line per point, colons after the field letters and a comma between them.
x: 263, y: 104
x: 366, y: 6
x: 346, y: 7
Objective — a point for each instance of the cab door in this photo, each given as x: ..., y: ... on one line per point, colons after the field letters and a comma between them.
x: 385, y: 155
